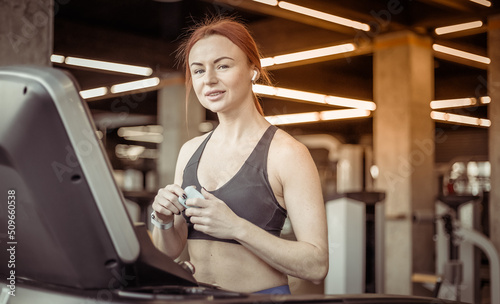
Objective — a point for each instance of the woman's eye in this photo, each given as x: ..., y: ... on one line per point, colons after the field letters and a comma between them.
x: 198, y: 71
x: 223, y: 66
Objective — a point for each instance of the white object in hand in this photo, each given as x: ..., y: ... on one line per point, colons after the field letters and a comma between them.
x: 191, y: 192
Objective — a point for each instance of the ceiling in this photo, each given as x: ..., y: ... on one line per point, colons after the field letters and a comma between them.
x: 147, y: 32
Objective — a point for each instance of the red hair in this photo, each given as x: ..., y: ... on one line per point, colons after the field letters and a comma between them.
x: 237, y: 33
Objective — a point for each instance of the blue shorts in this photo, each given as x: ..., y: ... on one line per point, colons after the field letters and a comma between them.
x: 283, y: 289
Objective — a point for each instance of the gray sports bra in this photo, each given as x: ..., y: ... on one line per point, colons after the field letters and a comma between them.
x: 248, y: 193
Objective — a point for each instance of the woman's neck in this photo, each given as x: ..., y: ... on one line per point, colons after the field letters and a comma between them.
x: 241, y: 125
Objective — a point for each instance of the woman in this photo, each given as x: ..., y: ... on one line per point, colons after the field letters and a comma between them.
x: 251, y: 174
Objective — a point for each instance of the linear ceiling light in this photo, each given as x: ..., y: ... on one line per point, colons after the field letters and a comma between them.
x: 317, y: 116
x: 344, y: 114
x: 461, y: 54
x: 109, y: 66
x: 293, y: 118
x: 152, y: 133
x: 310, y: 54
x: 140, y: 130
x: 485, y: 99
x: 152, y: 138
x: 86, y: 94
x: 351, y: 103
x: 135, y: 85
x: 458, y: 27
x: 482, y: 2
x: 314, y: 97
x: 453, y: 103
x: 461, y: 119
x: 324, y: 16
x: 459, y: 102
x: 268, y: 2
x: 57, y: 58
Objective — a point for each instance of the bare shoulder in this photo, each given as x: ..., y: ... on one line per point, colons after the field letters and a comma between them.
x: 289, y: 157
x: 189, y: 147
x: 194, y: 143
x: 292, y: 173
x: 285, y: 147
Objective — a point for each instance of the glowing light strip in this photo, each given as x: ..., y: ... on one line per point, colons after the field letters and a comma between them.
x: 452, y: 103
x: 310, y: 54
x: 151, y: 133
x: 135, y: 85
x: 351, y: 103
x: 86, y: 94
x: 344, y: 114
x: 459, y: 102
x: 57, y: 58
x: 317, y: 116
x: 324, y: 16
x: 151, y: 138
x: 268, y: 2
x: 140, y: 130
x: 485, y: 99
x: 482, y: 2
x: 458, y: 27
x: 118, y: 88
x: 461, y: 119
x: 293, y: 118
x: 459, y: 53
x: 314, y: 97
x: 109, y: 66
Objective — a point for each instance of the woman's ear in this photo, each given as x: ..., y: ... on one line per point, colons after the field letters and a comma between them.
x: 255, y: 76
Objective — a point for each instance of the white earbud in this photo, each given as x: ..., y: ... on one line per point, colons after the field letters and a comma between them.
x: 254, y: 78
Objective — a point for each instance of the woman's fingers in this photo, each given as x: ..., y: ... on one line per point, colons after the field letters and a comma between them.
x: 166, y: 202
x: 212, y: 216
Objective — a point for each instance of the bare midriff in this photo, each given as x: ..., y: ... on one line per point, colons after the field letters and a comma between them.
x: 232, y: 267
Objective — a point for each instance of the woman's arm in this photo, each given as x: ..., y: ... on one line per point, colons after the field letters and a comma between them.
x: 306, y: 258
x: 172, y: 241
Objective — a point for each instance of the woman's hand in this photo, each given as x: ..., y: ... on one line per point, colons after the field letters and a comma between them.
x: 213, y: 216
x: 166, y: 202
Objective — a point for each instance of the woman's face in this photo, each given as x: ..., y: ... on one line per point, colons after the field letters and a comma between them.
x: 221, y: 74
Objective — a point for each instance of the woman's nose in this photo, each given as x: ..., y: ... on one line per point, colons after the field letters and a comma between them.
x: 210, y: 77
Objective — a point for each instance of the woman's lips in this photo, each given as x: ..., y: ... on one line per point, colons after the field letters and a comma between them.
x: 214, y: 95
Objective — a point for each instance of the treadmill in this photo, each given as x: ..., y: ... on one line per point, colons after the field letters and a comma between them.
x: 65, y: 234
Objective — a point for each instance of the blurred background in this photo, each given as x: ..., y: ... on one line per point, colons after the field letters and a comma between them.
x: 395, y: 100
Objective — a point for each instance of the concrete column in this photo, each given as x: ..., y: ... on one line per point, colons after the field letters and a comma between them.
x: 26, y: 32
x: 404, y: 152
x: 177, y: 127
x: 494, y: 130
x: 350, y: 169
